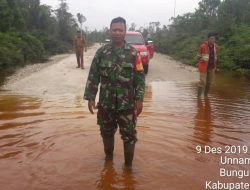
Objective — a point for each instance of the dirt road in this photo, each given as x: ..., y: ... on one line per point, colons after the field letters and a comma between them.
x: 60, y: 77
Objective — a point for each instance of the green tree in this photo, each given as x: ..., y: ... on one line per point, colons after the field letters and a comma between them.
x: 233, y: 12
x: 81, y: 19
x: 132, y: 27
x: 66, y: 22
x: 4, y: 16
x: 207, y: 13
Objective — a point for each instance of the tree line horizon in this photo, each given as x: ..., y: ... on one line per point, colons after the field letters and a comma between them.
x: 30, y: 32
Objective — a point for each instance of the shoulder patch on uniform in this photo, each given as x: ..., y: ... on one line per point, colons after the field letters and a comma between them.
x: 138, y: 63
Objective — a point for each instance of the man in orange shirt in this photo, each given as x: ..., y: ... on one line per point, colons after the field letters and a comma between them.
x: 79, y: 43
x: 207, y: 64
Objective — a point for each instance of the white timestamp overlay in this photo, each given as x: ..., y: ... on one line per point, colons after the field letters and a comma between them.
x: 226, y: 154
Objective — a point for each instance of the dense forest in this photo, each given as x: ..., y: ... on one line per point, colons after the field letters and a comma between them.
x: 30, y: 32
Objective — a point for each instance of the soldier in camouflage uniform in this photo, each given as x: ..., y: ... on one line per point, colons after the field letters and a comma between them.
x: 119, y: 71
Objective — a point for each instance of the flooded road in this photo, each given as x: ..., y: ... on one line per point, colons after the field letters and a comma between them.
x: 52, y: 142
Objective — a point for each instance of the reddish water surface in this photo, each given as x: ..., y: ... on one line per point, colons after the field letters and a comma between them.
x: 54, y: 143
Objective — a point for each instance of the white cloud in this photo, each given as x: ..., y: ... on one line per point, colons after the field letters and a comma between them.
x: 99, y: 12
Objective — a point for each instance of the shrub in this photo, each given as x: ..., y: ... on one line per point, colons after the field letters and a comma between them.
x: 17, y: 49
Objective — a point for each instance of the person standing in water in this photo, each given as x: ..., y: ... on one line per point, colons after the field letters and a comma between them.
x: 117, y: 67
x: 207, y: 64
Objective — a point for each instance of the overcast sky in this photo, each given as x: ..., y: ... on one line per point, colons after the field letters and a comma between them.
x: 99, y: 13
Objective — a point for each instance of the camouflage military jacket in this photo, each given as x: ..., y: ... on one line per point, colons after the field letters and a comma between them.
x: 120, y: 83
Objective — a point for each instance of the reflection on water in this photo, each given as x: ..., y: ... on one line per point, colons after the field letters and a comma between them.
x: 108, y: 177
x: 54, y: 143
x: 203, y: 122
x: 111, y: 180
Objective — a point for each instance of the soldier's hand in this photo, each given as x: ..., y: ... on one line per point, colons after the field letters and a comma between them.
x: 138, y: 107
x: 91, y: 105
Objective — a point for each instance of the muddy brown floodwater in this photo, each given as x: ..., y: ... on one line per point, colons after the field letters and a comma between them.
x: 48, y: 139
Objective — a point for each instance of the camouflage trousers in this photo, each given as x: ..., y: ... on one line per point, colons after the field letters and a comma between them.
x: 109, y: 120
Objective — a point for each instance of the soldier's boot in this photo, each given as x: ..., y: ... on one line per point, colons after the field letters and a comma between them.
x: 207, y: 88
x: 128, y: 154
x: 108, y: 147
x: 200, y: 89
